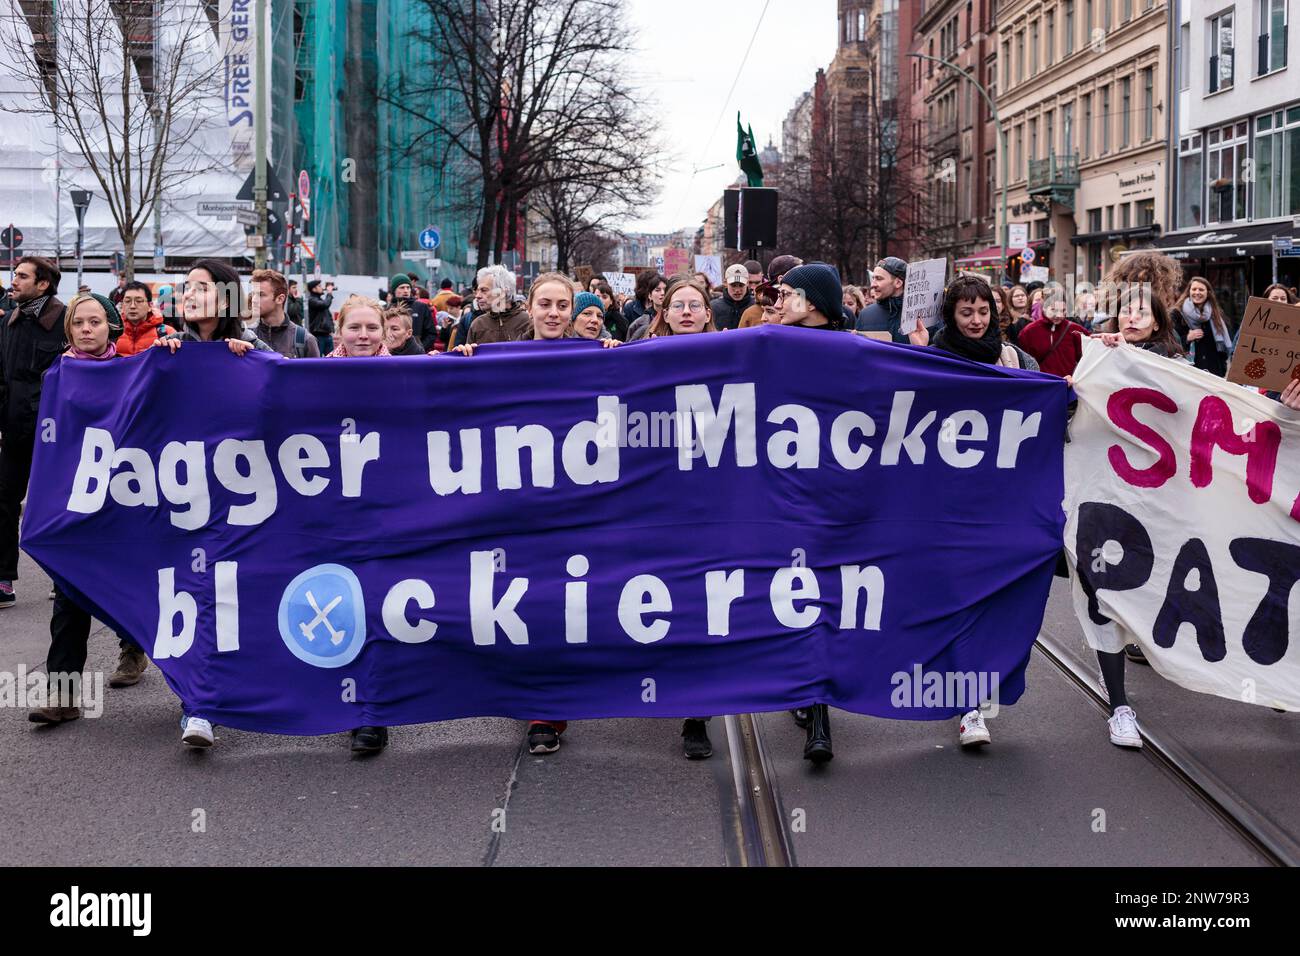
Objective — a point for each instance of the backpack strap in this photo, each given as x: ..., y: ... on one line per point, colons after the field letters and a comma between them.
x: 300, y: 341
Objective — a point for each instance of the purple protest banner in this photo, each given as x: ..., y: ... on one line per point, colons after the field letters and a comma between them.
x: 703, y: 524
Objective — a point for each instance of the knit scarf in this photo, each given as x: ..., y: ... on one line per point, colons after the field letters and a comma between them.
x: 340, y: 352
x: 1200, y: 318
x: 108, y: 353
x: 987, y: 349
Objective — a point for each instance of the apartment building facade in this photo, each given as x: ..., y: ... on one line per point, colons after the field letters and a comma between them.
x: 1081, y: 95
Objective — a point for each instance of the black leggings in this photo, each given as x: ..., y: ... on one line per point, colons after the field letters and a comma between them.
x: 1112, y: 674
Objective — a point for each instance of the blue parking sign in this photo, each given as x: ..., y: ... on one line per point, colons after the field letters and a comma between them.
x: 323, y: 616
x: 429, y: 239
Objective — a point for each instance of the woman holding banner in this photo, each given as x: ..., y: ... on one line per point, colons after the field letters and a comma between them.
x: 1144, y: 323
x: 550, y: 310
x: 686, y: 311
x: 812, y: 297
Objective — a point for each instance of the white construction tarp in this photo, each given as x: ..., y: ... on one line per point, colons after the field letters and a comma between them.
x: 39, y: 168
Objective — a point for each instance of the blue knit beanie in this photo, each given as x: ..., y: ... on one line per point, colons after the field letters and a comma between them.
x: 585, y: 300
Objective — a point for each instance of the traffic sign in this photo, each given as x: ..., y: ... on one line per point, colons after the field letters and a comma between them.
x: 12, y: 237
x: 274, y: 191
x: 253, y: 242
x: 246, y: 217
x: 274, y: 225
x: 308, y: 245
x: 1017, y: 234
x: 415, y: 255
x: 430, y: 238
x: 1027, y: 255
x: 304, y: 204
x: 304, y: 185
x: 1282, y: 244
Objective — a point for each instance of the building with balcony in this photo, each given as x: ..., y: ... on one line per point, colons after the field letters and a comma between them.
x: 960, y: 137
x: 1234, y: 147
x: 1081, y: 95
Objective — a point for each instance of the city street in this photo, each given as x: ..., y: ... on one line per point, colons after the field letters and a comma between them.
x: 120, y: 789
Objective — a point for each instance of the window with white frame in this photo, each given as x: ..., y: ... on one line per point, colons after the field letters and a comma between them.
x: 1277, y: 163
x: 1227, y: 171
x: 1271, y: 52
x: 1221, y: 47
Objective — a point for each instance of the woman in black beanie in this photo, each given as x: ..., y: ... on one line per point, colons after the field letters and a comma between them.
x: 811, y: 297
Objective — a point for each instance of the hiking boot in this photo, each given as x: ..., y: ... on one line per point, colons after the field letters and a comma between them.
x: 54, y: 715
x: 131, y: 665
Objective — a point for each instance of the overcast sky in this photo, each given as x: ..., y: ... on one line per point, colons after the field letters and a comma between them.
x: 691, y: 50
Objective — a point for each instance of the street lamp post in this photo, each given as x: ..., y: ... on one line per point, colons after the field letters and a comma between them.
x: 81, y: 202
x: 1002, y: 139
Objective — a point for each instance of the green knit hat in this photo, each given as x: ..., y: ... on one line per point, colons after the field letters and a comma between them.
x: 400, y: 279
x: 114, y: 317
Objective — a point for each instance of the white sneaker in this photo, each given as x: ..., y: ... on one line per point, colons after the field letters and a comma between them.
x: 1124, y: 728
x: 197, y: 732
x: 971, y: 730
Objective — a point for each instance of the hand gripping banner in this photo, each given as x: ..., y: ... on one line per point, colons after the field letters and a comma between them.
x: 706, y: 524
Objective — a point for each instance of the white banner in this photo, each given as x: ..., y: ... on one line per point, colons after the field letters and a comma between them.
x: 238, y: 47
x: 1183, y: 524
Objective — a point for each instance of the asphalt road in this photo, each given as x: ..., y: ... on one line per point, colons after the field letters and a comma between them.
x: 121, y: 789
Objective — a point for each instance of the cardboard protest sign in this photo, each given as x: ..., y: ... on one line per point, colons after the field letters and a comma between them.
x: 623, y: 283
x: 1268, y: 349
x: 1034, y: 274
x: 922, y: 293
x: 584, y: 275
x: 676, y: 261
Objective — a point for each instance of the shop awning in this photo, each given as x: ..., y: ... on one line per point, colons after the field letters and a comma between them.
x: 1256, y: 238
x: 992, y: 256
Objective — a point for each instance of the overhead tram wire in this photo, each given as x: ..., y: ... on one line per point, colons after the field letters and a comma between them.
x: 723, y: 112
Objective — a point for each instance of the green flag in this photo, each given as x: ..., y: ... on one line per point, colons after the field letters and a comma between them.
x: 747, y: 154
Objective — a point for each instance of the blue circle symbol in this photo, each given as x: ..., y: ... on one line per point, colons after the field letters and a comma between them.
x: 323, y: 616
x: 429, y: 239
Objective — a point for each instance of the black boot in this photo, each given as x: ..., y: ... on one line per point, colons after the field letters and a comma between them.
x: 369, y: 740
x: 695, y: 739
x: 802, y: 718
x: 818, y: 747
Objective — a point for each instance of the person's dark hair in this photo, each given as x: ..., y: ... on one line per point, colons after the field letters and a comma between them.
x: 604, y: 288
x: 46, y: 271
x: 1032, y: 287
x: 445, y: 284
x: 645, y: 284
x: 966, y: 289
x: 1163, y: 334
x: 1290, y: 295
x: 230, y: 298
x: 138, y: 287
x: 765, y: 294
x: 753, y: 267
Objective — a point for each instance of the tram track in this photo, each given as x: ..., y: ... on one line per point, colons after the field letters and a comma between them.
x: 764, y: 838
x: 1249, y: 823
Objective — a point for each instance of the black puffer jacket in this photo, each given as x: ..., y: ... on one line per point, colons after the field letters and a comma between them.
x: 319, y: 319
x: 29, y: 344
x: 727, y: 311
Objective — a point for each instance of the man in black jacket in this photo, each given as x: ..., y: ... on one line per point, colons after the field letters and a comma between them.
x: 31, y: 340
x: 731, y: 305
x: 320, y: 321
x: 423, y: 326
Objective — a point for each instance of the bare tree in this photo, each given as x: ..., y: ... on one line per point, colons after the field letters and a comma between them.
x: 128, y: 83
x: 598, y: 249
x: 527, y: 91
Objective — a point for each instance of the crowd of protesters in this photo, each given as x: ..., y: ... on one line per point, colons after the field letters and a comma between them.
x: 1028, y: 327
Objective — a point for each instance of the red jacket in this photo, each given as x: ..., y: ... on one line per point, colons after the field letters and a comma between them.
x: 138, y: 336
x: 1058, y: 349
